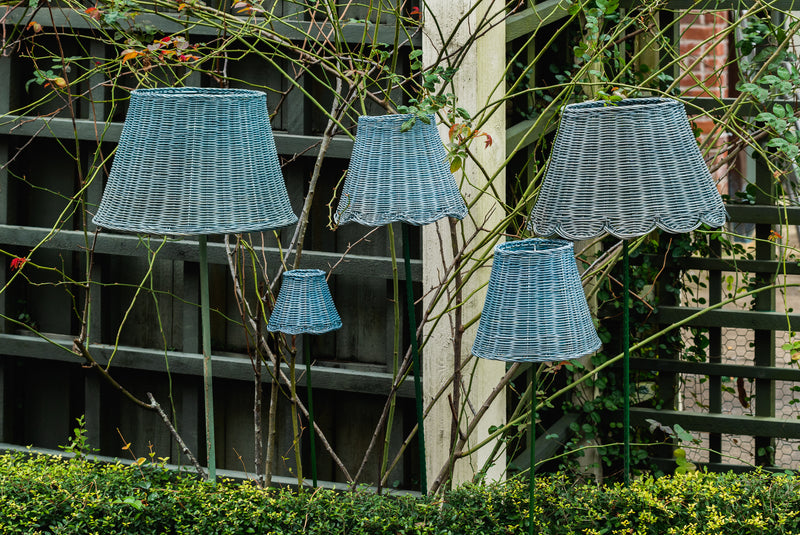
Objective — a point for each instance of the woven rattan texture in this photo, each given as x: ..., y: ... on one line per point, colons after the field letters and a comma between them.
x: 535, y: 308
x: 625, y: 169
x: 304, y: 304
x: 195, y: 161
x: 398, y: 176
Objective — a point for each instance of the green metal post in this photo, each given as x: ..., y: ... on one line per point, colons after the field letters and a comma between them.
x: 312, y: 435
x: 412, y: 327
x: 626, y: 363
x: 531, y: 530
x: 205, y: 319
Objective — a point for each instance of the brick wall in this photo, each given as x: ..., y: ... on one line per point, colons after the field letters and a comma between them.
x: 706, y: 55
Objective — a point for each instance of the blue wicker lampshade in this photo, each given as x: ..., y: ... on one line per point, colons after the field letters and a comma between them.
x: 195, y: 161
x: 398, y: 176
x: 535, y: 309
x: 304, y: 304
x: 625, y: 169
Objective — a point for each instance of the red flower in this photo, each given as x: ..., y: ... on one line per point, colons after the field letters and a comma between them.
x: 18, y: 262
x: 415, y: 12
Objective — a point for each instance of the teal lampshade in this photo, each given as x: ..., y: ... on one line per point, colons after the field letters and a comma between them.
x: 398, y: 176
x: 195, y: 161
x: 304, y: 304
x: 625, y: 168
x: 535, y: 308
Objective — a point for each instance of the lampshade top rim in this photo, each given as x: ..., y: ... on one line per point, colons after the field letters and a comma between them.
x: 303, y: 273
x: 392, y: 117
x: 624, y: 104
x: 532, y: 246
x: 189, y: 92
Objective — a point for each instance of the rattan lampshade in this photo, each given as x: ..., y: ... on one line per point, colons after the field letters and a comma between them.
x: 195, y: 161
x: 398, y: 176
x: 535, y: 308
x: 625, y: 169
x: 304, y: 304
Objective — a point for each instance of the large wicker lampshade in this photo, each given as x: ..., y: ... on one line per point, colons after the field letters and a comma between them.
x: 625, y: 168
x: 401, y: 176
x: 196, y: 161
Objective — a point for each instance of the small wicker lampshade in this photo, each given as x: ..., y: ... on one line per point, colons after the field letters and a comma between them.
x: 535, y: 308
x: 195, y: 161
x: 304, y: 304
x: 398, y: 176
x: 625, y: 169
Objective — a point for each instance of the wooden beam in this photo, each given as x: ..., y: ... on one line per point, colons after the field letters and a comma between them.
x: 547, y: 445
x: 292, y: 27
x: 87, y: 130
x: 187, y: 250
x: 530, y: 19
x: 726, y: 5
x: 736, y: 265
x: 753, y: 213
x: 744, y: 319
x: 236, y: 367
x: 714, y: 369
x: 734, y: 425
x: 668, y: 466
x: 522, y: 134
x: 236, y: 475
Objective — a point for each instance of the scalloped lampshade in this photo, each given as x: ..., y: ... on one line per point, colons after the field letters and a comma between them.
x: 535, y: 309
x: 398, y: 176
x: 625, y: 168
x: 304, y: 304
x: 195, y: 161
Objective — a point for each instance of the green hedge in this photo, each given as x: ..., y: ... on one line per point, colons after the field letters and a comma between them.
x: 42, y: 494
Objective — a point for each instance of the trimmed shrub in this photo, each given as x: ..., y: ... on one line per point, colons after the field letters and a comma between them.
x: 49, y: 495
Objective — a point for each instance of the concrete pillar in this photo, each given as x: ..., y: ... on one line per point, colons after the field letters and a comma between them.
x: 478, y: 82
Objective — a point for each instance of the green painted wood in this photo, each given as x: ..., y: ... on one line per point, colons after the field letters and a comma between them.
x: 65, y: 128
x: 715, y: 355
x: 719, y: 107
x: 547, y: 447
x: 764, y: 338
x: 225, y: 367
x: 717, y: 370
x: 186, y: 250
x: 729, y: 424
x: 290, y: 27
x: 751, y: 213
x: 724, y: 5
x: 235, y: 475
x: 745, y: 319
x: 522, y: 134
x: 530, y: 19
x: 731, y: 265
x: 668, y: 465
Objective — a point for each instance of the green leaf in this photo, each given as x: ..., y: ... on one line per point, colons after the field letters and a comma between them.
x: 408, y: 124
x: 682, y: 434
